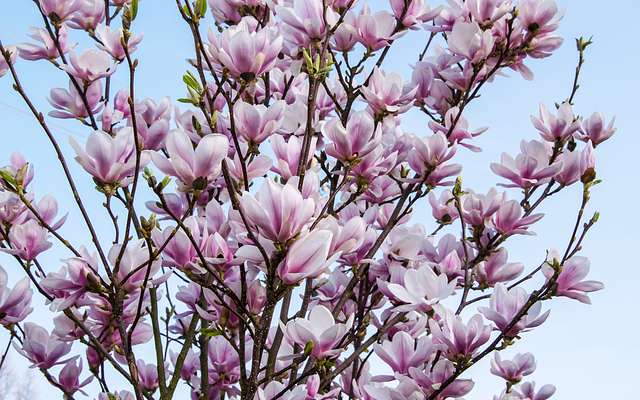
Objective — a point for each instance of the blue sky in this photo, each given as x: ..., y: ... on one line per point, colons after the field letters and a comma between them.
x: 586, y: 351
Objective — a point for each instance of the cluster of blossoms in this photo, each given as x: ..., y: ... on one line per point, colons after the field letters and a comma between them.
x: 285, y: 186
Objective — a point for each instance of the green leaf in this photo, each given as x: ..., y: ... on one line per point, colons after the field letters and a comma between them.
x: 8, y: 177
x: 134, y: 9
x: 210, y: 332
x: 203, y: 7
x: 187, y: 101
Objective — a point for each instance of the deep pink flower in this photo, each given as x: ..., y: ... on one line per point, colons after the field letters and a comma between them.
x: 321, y: 329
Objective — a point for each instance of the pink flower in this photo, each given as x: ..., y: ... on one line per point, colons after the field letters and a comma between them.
x: 460, y: 340
x: 496, y: 269
x: 90, y: 66
x: 570, y: 282
x: 257, y: 123
x: 400, y: 354
x: 28, y: 240
x: 47, y: 208
x: 287, y: 154
x: 4, y: 67
x: 305, y: 20
x: 62, y: 8
x: 377, y: 30
x: 321, y: 329
x: 513, y: 371
x: 417, y: 12
x: 478, y: 208
x: 387, y: 93
x: 461, y: 130
x: 487, y: 12
x: 442, y: 371
x: 70, y: 102
x: 442, y: 207
x: 69, y: 377
x: 246, y: 55
x: 593, y: 129
x: 148, y: 375
x: 14, y: 303
x: 507, y: 219
x: 42, y: 350
x: 89, y: 16
x: 188, y: 164
x: 504, y: 305
x: 308, y: 257
x: 280, y: 212
x: 554, y: 128
x: 358, y: 139
x: 539, y: 15
x: 575, y: 163
x: 111, y: 42
x: 429, y: 152
x: 530, y: 168
x: 109, y: 159
x: 467, y: 39
x: 32, y: 52
x: 132, y: 258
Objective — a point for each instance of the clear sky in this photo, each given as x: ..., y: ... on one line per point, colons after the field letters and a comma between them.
x: 588, y: 352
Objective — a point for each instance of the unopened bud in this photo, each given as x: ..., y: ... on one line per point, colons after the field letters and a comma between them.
x: 588, y: 176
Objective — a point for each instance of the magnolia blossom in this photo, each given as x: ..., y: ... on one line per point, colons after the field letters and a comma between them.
x: 308, y: 257
x: 189, y: 164
x: 513, y: 370
x: 459, y: 340
x: 62, y: 9
x: 554, y: 128
x: 42, y: 350
x: 14, y: 303
x: 422, y: 289
x: 375, y: 31
x: 530, y: 168
x: 570, y: 282
x: 13, y: 56
x: 257, y: 123
x: 111, y: 42
x: 400, y: 354
x: 110, y: 159
x: 69, y: 377
x: 358, y: 139
x: 28, y: 240
x: 90, y: 66
x: 467, y: 39
x: 70, y: 104
x: 593, y: 129
x: 387, y: 93
x: 507, y: 219
x: 49, y: 51
x: 89, y: 16
x: 320, y: 329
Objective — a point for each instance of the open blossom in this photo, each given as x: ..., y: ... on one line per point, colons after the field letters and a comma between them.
x: 308, y: 257
x: 570, y: 282
x: 89, y: 16
x: 467, y: 39
x: 111, y: 42
x: 49, y: 51
x: 504, y: 305
x: 69, y: 377
x: 497, y: 269
x: 593, y: 129
x: 417, y: 12
x: 399, y: 352
x: 287, y: 154
x: 42, y: 350
x: 110, y: 159
x: 429, y: 152
x: 70, y: 104
x: 528, y: 391
x: 246, y: 55
x: 460, y: 340
x: 575, y: 164
x: 257, y: 123
x: 461, y: 130
x: 279, y: 212
x: 539, y: 15
x: 434, y: 377
x: 559, y: 127
x: 477, y: 208
x: 4, y: 67
x: 62, y: 8
x: 28, y: 240
x: 507, y: 219
x: 375, y: 31
x: 487, y: 12
x: 90, y: 66
x: 530, y: 168
x: 189, y: 164
x: 357, y: 140
x: 321, y: 329
x: 513, y: 370
x: 14, y: 303
x: 387, y: 93
x: 305, y: 20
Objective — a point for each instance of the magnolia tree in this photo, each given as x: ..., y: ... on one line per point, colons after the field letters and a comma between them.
x: 275, y: 255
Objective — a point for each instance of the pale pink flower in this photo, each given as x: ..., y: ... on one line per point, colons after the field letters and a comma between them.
x: 14, y: 303
x: 62, y: 8
x: 13, y: 56
x: 432, y: 381
x: 111, y: 42
x: 111, y: 160
x: 421, y: 290
x: 189, y: 164
x: 429, y: 152
x: 357, y: 140
x: 321, y: 329
x: 467, y: 39
x: 417, y: 12
x: 528, y: 391
x: 570, y: 282
x: 287, y: 154
x: 70, y: 104
x: 554, y: 128
x: 388, y: 93
x: 69, y: 377
x: 477, y: 208
x: 90, y: 66
x: 257, y: 123
x: 376, y: 31
x: 28, y: 240
x: 513, y: 370
x: 496, y: 269
x: 530, y: 168
x: 48, y: 51
x: 486, y: 12
x: 507, y: 219
x: 461, y: 130
x: 308, y: 257
x: 593, y: 129
x: 400, y: 352
x: 42, y: 350
x: 459, y: 340
x: 575, y: 163
x: 539, y: 15
x: 89, y: 16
